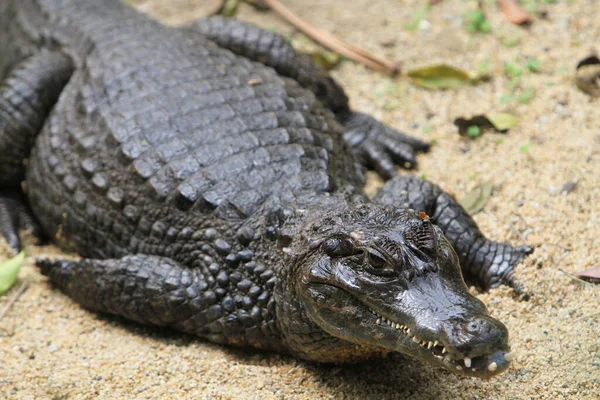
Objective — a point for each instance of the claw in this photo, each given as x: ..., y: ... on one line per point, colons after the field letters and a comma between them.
x: 380, y: 146
x: 14, y: 215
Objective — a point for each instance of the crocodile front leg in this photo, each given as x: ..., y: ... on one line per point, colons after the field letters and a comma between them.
x: 490, y: 263
x: 159, y: 291
x: 376, y: 145
x: 26, y: 97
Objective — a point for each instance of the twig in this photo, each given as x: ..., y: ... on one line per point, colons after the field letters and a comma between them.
x: 13, y: 299
x: 513, y: 12
x: 587, y: 316
x: 328, y: 40
x: 576, y: 278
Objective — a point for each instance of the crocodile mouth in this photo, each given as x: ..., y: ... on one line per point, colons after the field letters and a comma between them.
x: 485, y: 365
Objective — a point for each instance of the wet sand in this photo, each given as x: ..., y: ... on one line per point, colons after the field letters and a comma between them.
x: 50, y: 348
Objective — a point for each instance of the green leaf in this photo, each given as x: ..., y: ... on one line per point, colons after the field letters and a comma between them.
x: 327, y: 60
x: 510, y: 41
x: 533, y: 64
x: 439, y: 77
x: 503, y: 121
x: 476, y: 199
x: 477, y: 22
x: 525, y: 148
x: 512, y: 70
x: 229, y: 8
x: 527, y: 95
x: 417, y: 17
x: 473, y: 131
x: 9, y: 271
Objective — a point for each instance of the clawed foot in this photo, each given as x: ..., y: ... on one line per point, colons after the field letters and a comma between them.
x: 502, y: 272
x: 380, y: 147
x: 15, y: 215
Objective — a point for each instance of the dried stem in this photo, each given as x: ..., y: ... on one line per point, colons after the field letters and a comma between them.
x: 328, y: 40
x: 13, y: 300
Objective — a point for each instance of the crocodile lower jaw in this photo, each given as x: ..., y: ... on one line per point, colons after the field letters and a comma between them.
x: 436, y: 349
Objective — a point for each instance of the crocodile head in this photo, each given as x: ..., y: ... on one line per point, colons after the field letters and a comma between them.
x: 387, y: 280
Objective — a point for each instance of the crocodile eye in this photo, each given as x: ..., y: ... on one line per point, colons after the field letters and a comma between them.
x: 376, y: 261
x: 339, y: 247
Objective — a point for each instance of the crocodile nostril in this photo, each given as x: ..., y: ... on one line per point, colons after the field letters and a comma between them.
x: 477, y: 326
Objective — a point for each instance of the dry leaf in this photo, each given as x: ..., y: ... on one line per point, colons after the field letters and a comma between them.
x: 439, y: 77
x: 592, y: 274
x: 513, y: 12
x: 500, y: 122
x: 476, y: 199
x: 587, y: 76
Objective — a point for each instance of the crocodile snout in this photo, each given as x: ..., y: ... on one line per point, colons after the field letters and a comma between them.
x: 476, y: 335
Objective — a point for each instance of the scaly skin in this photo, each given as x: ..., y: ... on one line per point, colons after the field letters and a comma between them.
x: 211, y: 179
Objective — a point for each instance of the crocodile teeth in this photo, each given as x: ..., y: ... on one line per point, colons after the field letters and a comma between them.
x: 492, y: 367
x: 467, y: 362
x: 443, y: 350
x: 378, y: 321
x: 429, y: 345
x: 510, y: 356
x: 408, y: 331
x: 435, y: 343
x: 416, y: 339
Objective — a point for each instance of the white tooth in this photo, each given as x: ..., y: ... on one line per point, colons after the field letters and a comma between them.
x: 408, y: 331
x: 443, y: 350
x: 458, y: 367
x: 378, y: 321
x: 467, y: 362
x: 430, y: 345
x: 397, y: 326
x: 510, y: 356
x: 435, y: 343
x: 415, y: 339
x: 492, y: 367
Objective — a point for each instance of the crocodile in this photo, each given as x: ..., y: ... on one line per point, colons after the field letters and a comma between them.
x: 211, y: 180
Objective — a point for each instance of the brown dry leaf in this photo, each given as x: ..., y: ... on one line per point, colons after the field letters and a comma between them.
x: 587, y: 76
x: 513, y: 12
x: 476, y: 199
x: 500, y: 122
x: 592, y: 274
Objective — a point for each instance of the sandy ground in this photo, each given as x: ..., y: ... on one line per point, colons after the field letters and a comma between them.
x: 51, y: 348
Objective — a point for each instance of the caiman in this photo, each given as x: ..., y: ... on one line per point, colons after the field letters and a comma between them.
x: 211, y: 179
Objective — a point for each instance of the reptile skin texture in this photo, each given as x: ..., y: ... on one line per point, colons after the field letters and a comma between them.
x: 180, y: 163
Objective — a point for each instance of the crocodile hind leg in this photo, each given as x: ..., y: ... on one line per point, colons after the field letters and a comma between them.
x: 159, y: 291
x: 376, y: 145
x: 489, y: 263
x: 27, y: 95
